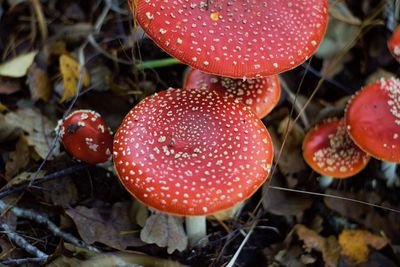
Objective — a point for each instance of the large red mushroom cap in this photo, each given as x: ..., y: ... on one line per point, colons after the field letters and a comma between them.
x: 373, y: 119
x: 329, y: 151
x: 394, y: 44
x: 189, y: 152
x: 261, y: 94
x: 86, y: 136
x: 230, y: 38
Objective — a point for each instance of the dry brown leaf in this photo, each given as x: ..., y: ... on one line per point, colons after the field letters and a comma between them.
x: 355, y: 244
x: 74, y: 256
x: 61, y: 192
x: 284, y: 203
x: 291, y: 159
x: 105, y: 225
x: 328, y: 246
x: 39, y: 83
x: 39, y: 130
x: 9, y: 86
x: 165, y: 231
x: 24, y: 177
x: 71, y: 71
x: 18, y: 159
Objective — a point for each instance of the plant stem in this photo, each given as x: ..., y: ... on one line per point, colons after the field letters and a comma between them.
x: 196, y: 229
x: 158, y: 63
x: 325, y: 181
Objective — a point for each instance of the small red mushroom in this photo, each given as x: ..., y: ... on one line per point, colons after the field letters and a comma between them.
x: 237, y: 39
x: 86, y: 136
x: 191, y: 152
x: 373, y: 119
x: 329, y: 151
x: 394, y: 44
x: 261, y: 94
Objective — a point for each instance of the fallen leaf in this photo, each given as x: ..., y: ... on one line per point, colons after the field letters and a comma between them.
x: 328, y: 246
x: 291, y: 159
x: 6, y: 130
x: 2, y: 107
x: 18, y: 66
x: 71, y: 72
x: 165, y: 231
x: 355, y: 244
x: 39, y: 130
x: 39, y: 83
x: 25, y: 177
x: 18, y: 159
x: 342, y: 29
x: 105, y: 225
x: 284, y: 203
x: 227, y: 214
x: 9, y: 86
x: 61, y: 192
x: 74, y: 256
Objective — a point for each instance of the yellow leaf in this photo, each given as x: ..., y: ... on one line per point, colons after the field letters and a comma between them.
x: 70, y: 71
x: 18, y: 66
x: 2, y: 107
x: 355, y: 244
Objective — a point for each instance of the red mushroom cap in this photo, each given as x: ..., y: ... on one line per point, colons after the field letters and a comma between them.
x: 328, y: 150
x: 233, y: 38
x: 189, y: 152
x: 394, y: 44
x: 261, y: 94
x: 373, y: 119
x: 86, y: 136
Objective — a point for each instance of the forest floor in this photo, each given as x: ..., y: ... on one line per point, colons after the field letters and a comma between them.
x: 59, y: 212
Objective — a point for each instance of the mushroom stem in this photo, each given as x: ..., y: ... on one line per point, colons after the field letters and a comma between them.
x: 325, y: 181
x: 158, y: 63
x: 389, y: 172
x: 196, y: 229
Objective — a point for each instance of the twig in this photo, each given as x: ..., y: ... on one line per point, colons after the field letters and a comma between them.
x: 37, y: 7
x: 21, y: 242
x: 21, y: 187
x: 23, y: 261
x: 44, y: 220
x: 293, y: 99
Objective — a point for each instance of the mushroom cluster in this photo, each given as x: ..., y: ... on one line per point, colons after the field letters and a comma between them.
x: 202, y: 149
x: 371, y: 127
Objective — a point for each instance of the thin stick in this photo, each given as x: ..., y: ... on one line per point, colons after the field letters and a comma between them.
x: 23, y: 261
x: 7, y: 190
x: 333, y: 196
x: 21, y: 242
x: 42, y: 219
x: 37, y: 7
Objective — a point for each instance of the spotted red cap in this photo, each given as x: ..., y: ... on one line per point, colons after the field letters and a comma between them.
x: 261, y: 94
x: 86, y: 136
x: 329, y: 151
x: 373, y: 119
x: 234, y: 38
x: 394, y: 44
x: 189, y: 152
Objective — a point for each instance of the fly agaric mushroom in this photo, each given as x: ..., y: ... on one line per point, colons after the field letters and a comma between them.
x: 394, y: 44
x: 329, y: 151
x: 192, y: 153
x: 233, y: 38
x: 261, y: 94
x: 373, y: 122
x: 86, y: 136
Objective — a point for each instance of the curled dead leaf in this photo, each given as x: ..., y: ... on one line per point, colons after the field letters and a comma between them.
x: 165, y: 231
x: 355, y: 244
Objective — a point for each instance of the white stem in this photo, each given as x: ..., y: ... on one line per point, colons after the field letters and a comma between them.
x: 325, y: 181
x: 196, y: 229
x: 389, y: 172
